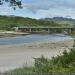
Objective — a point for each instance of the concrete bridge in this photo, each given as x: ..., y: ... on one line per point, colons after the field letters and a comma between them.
x: 45, y: 29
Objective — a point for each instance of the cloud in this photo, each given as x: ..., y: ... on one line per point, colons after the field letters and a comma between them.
x: 48, y: 8
x: 43, y: 8
x: 47, y: 4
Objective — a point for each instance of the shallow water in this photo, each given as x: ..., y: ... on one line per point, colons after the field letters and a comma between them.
x: 33, y: 38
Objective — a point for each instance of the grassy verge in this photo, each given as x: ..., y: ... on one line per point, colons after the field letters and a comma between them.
x: 73, y: 36
x: 61, y: 64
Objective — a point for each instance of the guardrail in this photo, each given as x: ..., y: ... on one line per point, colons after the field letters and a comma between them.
x: 45, y: 27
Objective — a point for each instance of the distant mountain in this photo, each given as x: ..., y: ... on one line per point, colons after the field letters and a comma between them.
x: 61, y: 20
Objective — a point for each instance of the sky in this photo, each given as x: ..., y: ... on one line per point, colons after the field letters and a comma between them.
x: 42, y: 9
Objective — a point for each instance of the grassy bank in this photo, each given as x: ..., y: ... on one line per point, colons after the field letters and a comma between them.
x: 64, y: 63
x: 73, y: 36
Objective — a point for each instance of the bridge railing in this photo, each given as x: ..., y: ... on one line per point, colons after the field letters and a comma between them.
x: 45, y: 27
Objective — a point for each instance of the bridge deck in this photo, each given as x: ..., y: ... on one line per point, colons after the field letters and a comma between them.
x: 45, y: 27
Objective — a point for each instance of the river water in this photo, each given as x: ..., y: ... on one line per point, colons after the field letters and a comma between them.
x: 32, y: 38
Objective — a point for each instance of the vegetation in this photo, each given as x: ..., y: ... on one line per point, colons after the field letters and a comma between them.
x: 12, y: 3
x: 62, y: 20
x: 8, y: 22
x: 64, y: 63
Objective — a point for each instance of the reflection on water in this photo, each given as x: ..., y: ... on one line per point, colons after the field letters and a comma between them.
x: 33, y: 38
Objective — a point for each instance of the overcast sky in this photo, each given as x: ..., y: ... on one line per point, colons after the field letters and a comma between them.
x: 42, y: 9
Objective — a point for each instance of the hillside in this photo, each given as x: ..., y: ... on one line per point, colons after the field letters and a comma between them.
x: 61, y: 20
x: 8, y: 22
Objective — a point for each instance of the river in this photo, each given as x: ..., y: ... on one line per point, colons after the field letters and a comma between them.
x: 32, y: 38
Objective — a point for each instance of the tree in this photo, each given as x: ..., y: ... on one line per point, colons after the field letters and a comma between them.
x: 12, y: 3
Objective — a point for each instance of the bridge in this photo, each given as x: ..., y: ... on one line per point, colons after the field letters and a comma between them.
x: 45, y: 29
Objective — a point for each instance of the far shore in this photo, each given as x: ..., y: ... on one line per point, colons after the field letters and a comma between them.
x: 13, y: 56
x: 12, y: 34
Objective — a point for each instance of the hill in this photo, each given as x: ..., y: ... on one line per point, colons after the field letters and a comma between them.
x: 8, y: 22
x: 61, y: 20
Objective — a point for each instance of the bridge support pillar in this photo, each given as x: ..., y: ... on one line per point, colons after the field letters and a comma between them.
x: 30, y: 30
x: 70, y: 31
x: 48, y: 30
x: 16, y: 29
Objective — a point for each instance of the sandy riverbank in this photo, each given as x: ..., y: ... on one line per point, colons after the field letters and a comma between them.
x: 12, y: 56
x: 12, y: 34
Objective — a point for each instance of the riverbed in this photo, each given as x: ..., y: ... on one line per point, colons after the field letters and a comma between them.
x: 19, y: 51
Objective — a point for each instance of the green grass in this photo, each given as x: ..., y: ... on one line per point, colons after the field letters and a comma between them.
x: 64, y: 63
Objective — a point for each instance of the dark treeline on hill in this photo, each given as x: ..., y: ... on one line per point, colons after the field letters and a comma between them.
x: 61, y: 20
x: 8, y: 22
